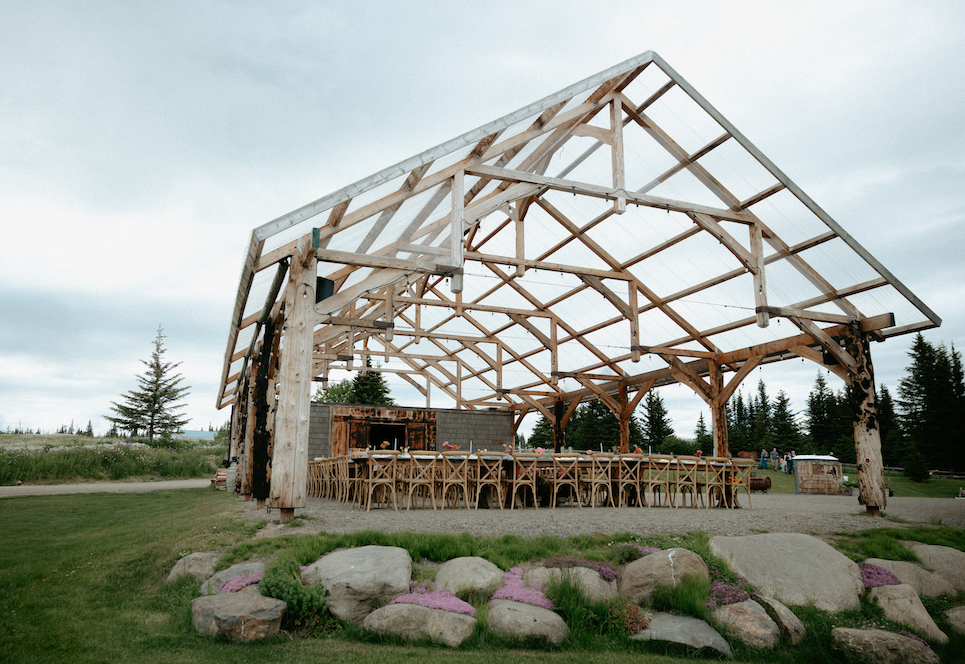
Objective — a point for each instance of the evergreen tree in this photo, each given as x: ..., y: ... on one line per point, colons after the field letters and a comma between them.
x: 369, y: 387
x: 820, y: 414
x: 930, y: 406
x: 738, y: 434
x: 786, y: 433
x: 656, y: 421
x: 891, y: 441
x: 593, y: 424
x: 153, y: 409
x: 761, y: 424
x: 542, y: 435
x: 702, y: 436
x: 89, y: 431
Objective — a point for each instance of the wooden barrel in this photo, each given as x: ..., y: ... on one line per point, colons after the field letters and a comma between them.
x: 760, y: 484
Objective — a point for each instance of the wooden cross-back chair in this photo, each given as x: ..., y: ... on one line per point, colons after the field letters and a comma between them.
x: 525, y: 474
x: 382, y: 479
x: 657, y: 479
x: 419, y: 478
x: 597, y: 481
x: 630, y: 483
x: 454, y: 477
x: 489, y: 472
x: 685, y: 480
x: 741, y: 472
x: 715, y: 480
x: 566, y: 474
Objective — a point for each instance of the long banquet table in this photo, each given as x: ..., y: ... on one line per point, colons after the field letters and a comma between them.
x: 377, y: 478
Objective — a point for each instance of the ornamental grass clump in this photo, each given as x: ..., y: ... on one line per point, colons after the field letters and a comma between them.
x: 236, y: 583
x: 517, y: 590
x: 875, y: 576
x: 606, y: 571
x: 423, y: 594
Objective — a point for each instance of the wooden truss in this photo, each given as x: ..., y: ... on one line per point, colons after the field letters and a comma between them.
x: 616, y: 236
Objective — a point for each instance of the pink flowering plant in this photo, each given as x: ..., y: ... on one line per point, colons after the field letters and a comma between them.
x: 721, y: 592
x: 875, y: 576
x: 423, y: 594
x: 236, y: 583
x: 517, y: 590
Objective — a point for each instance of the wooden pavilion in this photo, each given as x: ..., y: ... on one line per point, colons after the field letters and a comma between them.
x: 611, y: 238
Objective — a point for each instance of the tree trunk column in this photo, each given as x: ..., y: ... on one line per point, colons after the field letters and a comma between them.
x: 558, y: 412
x: 867, y: 434
x: 289, y: 462
x: 625, y: 413
x: 718, y: 411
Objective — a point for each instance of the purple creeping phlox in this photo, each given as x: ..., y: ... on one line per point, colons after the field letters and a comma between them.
x: 912, y: 636
x: 874, y: 576
x: 722, y: 593
x: 236, y: 583
x: 606, y: 571
x: 517, y: 590
x: 442, y: 599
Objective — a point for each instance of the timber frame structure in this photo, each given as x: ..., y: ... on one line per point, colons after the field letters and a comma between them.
x: 616, y: 236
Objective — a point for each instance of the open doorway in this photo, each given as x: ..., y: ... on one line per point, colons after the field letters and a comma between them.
x: 393, y: 434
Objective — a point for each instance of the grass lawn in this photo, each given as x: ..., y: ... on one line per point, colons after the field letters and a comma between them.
x: 82, y: 579
x: 901, y: 485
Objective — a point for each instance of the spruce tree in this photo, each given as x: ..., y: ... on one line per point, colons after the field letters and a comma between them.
x: 702, y: 436
x: 786, y: 433
x: 656, y: 421
x: 542, y: 435
x: 369, y: 387
x: 153, y: 408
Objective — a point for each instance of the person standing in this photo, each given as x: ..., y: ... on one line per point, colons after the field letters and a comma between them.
x: 763, y: 465
x: 775, y: 458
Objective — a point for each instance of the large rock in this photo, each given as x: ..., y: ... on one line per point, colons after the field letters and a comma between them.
x: 359, y: 580
x: 749, y: 622
x: 588, y: 580
x: 244, y: 616
x: 902, y: 604
x: 789, y: 624
x: 198, y: 565
x: 468, y: 572
x: 923, y: 581
x: 415, y: 622
x: 213, y: 585
x: 515, y: 620
x: 956, y: 617
x: 944, y: 561
x: 796, y: 569
x: 684, y: 630
x: 881, y: 647
x: 662, y: 568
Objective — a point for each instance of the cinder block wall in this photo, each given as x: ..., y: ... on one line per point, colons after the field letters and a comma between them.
x: 320, y: 431
x: 487, y: 429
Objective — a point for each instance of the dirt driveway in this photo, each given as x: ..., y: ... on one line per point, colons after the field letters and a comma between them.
x: 100, y: 487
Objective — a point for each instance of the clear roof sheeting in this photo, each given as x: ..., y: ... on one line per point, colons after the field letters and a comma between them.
x: 618, y: 232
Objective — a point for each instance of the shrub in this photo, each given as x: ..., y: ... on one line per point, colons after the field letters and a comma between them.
x: 307, y: 605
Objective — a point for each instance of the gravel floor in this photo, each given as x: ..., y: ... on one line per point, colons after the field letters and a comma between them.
x: 816, y: 515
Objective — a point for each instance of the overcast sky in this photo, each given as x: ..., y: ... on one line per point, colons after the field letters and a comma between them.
x: 141, y: 142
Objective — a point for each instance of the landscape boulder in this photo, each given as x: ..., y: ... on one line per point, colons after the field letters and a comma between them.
x: 794, y: 568
x: 199, y: 565
x: 944, y: 560
x: 790, y: 625
x: 415, y: 622
x: 881, y: 647
x: 902, y: 604
x: 662, y: 568
x: 515, y: 620
x: 687, y: 631
x: 749, y: 622
x: 213, y: 585
x: 922, y: 580
x: 358, y: 581
x: 588, y: 580
x: 241, y: 617
x: 468, y: 572
x: 956, y: 616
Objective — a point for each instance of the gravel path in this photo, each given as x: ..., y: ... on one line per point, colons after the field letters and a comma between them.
x: 816, y: 515
x: 100, y: 487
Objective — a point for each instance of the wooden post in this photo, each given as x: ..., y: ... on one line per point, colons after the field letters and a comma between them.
x: 718, y: 410
x: 867, y: 435
x: 625, y: 412
x: 289, y: 463
x: 558, y: 412
x: 261, y: 440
